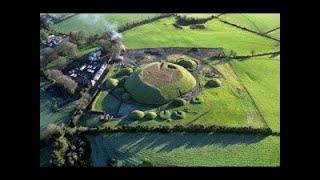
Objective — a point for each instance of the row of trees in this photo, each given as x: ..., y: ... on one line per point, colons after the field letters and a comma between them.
x: 185, y: 21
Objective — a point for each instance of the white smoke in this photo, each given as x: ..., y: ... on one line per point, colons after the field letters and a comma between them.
x: 98, y: 19
x: 115, y: 35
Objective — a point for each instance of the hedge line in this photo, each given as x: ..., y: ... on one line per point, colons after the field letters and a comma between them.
x: 181, y: 128
x: 128, y: 26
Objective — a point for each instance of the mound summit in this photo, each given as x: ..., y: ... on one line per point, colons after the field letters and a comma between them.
x: 159, y: 83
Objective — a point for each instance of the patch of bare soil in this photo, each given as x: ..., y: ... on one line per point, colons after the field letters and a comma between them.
x: 158, y: 76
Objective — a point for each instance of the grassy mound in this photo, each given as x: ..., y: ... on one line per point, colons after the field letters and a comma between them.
x: 159, y: 83
x: 136, y: 115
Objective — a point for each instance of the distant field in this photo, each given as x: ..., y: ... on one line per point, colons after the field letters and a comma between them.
x: 162, y: 33
x: 257, y: 22
x: 261, y: 76
x: 97, y: 23
x: 47, y: 115
x: 185, y: 149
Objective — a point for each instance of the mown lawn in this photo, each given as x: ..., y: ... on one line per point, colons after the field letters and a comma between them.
x: 185, y: 149
x: 261, y: 76
x: 259, y: 22
x: 162, y: 33
x: 98, y: 23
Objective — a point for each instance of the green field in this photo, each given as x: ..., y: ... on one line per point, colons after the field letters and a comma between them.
x: 105, y: 102
x: 228, y: 106
x: 248, y: 97
x: 47, y: 115
x: 257, y: 22
x: 98, y: 23
x: 261, y: 76
x: 275, y: 34
x: 185, y: 149
x: 162, y: 33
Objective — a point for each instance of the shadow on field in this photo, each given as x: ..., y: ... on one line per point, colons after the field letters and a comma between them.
x: 135, y: 142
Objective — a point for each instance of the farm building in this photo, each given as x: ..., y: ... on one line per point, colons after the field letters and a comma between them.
x: 91, y: 71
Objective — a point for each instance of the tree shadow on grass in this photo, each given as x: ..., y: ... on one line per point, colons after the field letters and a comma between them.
x: 134, y: 143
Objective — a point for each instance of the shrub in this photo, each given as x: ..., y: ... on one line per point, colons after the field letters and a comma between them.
x: 136, y: 115
x: 150, y: 115
x: 125, y: 96
x: 196, y: 100
x: 179, y: 102
x: 125, y: 72
x: 165, y: 115
x: 213, y: 83
x: 179, y: 114
x: 197, y: 26
x: 118, y: 91
x: 111, y: 83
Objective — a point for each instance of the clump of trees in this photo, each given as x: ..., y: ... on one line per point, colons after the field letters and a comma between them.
x: 185, y: 21
x: 83, y: 101
x: 62, y: 80
x: 66, y: 48
x: 68, y: 150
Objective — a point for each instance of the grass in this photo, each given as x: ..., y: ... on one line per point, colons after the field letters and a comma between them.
x: 47, y: 115
x: 229, y: 106
x: 105, y: 102
x: 162, y: 33
x: 157, y: 83
x: 257, y: 22
x: 261, y: 76
x: 275, y: 34
x: 185, y: 149
x: 98, y: 23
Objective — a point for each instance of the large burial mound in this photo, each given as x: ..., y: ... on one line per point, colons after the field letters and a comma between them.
x: 159, y: 83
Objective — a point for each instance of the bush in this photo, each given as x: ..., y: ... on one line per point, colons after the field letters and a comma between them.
x: 196, y: 100
x: 125, y: 72
x: 150, y: 115
x: 118, y: 91
x: 179, y: 114
x: 125, y: 96
x: 179, y: 102
x: 187, y: 63
x: 136, y: 115
x: 111, y: 83
x: 165, y: 115
x: 197, y: 26
x: 213, y: 83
